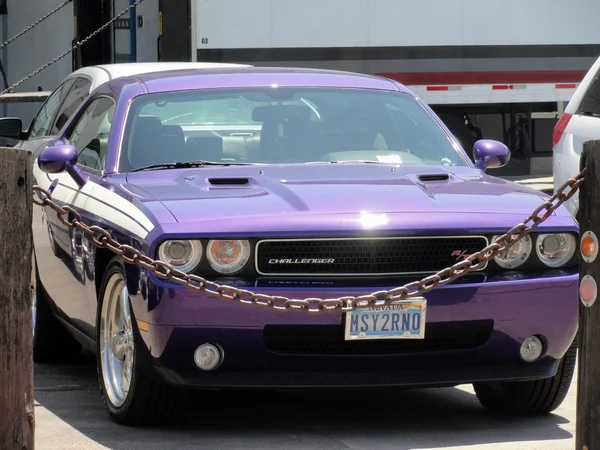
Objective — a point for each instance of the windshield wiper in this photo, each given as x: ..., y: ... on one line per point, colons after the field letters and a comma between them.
x: 368, y: 161
x: 177, y: 165
x: 345, y: 161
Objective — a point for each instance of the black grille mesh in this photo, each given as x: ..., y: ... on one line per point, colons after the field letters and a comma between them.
x: 329, y: 339
x: 364, y: 256
x: 440, y: 177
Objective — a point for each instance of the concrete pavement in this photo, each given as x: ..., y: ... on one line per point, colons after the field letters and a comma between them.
x: 70, y: 415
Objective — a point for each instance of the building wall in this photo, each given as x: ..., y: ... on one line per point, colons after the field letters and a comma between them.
x: 54, y: 36
x: 147, y: 35
x: 35, y: 48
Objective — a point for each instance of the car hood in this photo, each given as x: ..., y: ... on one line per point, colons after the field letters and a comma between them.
x: 284, y: 192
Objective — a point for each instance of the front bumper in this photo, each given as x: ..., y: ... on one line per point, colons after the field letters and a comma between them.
x: 473, y: 332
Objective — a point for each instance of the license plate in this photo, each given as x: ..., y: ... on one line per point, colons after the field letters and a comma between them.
x: 404, y: 319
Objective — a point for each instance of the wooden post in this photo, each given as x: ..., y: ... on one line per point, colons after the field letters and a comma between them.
x: 16, y: 333
x: 588, y: 389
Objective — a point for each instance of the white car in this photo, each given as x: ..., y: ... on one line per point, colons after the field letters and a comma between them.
x: 580, y: 122
x: 64, y: 101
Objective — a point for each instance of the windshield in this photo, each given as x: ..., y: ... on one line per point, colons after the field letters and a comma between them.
x: 283, y: 126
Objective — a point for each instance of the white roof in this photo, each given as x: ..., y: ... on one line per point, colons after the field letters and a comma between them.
x: 104, y: 72
x: 125, y: 69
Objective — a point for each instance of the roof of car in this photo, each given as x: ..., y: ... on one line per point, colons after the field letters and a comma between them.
x: 128, y: 69
x: 251, y: 76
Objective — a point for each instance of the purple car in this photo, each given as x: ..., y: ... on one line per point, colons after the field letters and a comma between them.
x: 302, y: 184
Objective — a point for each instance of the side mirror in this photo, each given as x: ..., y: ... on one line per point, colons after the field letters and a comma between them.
x: 60, y: 158
x: 11, y: 128
x: 490, y: 154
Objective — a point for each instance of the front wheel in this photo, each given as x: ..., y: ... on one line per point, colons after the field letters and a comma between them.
x: 130, y: 397
x: 529, y: 398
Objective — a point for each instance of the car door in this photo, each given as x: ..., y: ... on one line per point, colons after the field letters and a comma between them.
x: 50, y: 120
x: 66, y: 270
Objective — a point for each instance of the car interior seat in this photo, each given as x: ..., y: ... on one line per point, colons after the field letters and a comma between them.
x: 281, y: 124
x: 208, y: 147
x: 145, y: 143
x: 173, y: 139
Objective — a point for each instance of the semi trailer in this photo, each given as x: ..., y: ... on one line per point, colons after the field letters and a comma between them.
x: 501, y: 70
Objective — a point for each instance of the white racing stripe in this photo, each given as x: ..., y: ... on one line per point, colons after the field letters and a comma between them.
x: 96, y: 200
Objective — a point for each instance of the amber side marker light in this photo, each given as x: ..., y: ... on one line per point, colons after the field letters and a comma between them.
x: 589, y: 246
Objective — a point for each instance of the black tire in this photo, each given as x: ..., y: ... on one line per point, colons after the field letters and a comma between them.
x: 148, y: 402
x: 530, y: 398
x: 51, y: 341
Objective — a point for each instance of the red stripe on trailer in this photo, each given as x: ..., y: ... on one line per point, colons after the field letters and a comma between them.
x: 566, y: 86
x: 437, y: 88
x: 500, y: 77
x: 501, y: 87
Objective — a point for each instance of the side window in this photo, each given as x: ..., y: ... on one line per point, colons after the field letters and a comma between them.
x: 76, y: 96
x: 590, y: 103
x: 91, y: 133
x: 43, y: 119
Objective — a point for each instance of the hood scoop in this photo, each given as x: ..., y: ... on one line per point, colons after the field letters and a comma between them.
x: 433, y: 177
x: 229, y: 181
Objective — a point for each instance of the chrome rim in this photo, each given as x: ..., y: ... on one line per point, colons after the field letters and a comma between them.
x: 117, y: 349
x: 50, y: 234
x: 77, y: 258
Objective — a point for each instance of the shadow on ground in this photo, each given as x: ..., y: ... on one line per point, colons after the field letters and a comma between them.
x: 422, y: 419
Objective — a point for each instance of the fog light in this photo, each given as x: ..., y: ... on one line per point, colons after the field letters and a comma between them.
x: 208, y: 356
x: 531, y: 349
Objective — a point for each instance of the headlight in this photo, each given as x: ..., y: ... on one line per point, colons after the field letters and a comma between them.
x: 182, y: 254
x: 555, y: 249
x: 228, y: 256
x: 516, y: 255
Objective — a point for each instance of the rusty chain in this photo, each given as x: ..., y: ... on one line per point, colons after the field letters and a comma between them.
x: 75, y: 47
x: 36, y: 23
x: 102, y: 239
